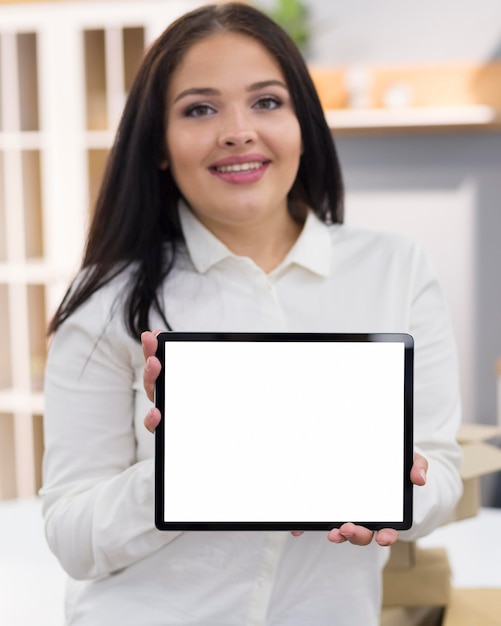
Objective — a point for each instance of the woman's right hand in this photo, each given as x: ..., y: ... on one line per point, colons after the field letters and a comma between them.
x: 151, y: 371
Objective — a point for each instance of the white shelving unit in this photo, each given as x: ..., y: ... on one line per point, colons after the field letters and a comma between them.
x: 408, y: 119
x: 65, y: 69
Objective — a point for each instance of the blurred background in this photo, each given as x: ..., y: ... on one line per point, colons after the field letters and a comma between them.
x: 412, y: 93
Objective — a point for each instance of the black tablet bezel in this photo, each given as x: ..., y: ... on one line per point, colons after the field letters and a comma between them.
x: 404, y: 524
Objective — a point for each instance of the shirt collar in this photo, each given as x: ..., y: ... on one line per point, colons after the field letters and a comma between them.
x: 204, y: 248
x: 312, y: 250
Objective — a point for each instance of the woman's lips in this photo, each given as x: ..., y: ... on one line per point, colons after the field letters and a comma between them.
x: 239, y: 171
x: 239, y: 167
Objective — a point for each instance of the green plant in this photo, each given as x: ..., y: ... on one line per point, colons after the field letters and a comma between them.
x: 292, y: 16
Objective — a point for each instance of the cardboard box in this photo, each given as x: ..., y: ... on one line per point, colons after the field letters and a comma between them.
x: 427, y: 583
x: 330, y: 83
x: 416, y: 577
x: 474, y: 607
x: 475, y: 433
x: 447, y: 84
x: 402, y: 555
x: 435, y: 85
x: 413, y: 616
x: 479, y: 459
x: 498, y: 372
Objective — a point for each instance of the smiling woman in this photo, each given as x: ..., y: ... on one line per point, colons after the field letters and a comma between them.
x: 140, y: 193
x: 221, y: 210
x: 234, y: 146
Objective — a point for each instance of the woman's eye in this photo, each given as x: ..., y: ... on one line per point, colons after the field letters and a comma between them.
x: 199, y: 110
x: 268, y: 102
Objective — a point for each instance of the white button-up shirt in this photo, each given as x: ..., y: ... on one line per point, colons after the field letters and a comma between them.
x: 99, y: 469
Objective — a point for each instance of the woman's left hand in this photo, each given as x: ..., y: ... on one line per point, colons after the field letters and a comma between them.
x: 151, y: 371
x: 361, y: 536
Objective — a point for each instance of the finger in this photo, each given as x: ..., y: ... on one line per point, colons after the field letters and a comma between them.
x: 150, y: 375
x: 149, y: 342
x: 419, y: 470
x: 152, y: 419
x: 357, y: 535
x: 296, y: 533
x: 335, y: 536
x: 386, y: 536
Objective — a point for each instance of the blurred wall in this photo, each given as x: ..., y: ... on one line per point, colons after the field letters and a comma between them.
x: 403, y: 31
x: 443, y: 188
x: 445, y: 191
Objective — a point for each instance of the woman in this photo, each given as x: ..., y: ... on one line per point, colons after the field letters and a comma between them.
x: 221, y: 209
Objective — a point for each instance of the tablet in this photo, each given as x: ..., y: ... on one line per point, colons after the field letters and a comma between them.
x: 284, y: 431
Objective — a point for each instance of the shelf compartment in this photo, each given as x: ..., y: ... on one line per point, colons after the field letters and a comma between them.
x: 95, y: 79
x: 28, y: 81
x: 21, y: 453
x: 3, y: 224
x: 32, y: 201
x: 5, y: 353
x: 37, y: 322
x: 38, y: 449
x: 1, y: 86
x: 133, y: 49
x: 96, y: 163
x: 24, y: 449
x: 8, y: 482
x: 111, y: 57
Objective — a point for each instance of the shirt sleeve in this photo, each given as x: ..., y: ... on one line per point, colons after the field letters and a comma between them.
x: 437, y: 410
x: 98, y: 500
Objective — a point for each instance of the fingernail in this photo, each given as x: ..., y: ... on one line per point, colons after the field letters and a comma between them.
x: 422, y: 473
x: 148, y: 364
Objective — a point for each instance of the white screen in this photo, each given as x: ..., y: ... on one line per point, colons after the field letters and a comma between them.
x: 283, y: 431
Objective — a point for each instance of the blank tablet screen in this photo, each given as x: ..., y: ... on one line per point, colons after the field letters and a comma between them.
x: 284, y: 431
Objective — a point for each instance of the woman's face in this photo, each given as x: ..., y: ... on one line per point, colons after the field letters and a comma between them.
x: 233, y: 138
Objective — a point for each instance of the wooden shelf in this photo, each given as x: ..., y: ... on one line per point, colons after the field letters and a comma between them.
x: 97, y: 139
x: 64, y: 77
x: 437, y: 119
x: 14, y: 401
x: 32, y: 272
x: 23, y: 140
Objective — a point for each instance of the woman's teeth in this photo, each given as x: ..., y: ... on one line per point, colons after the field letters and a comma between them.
x: 239, y: 167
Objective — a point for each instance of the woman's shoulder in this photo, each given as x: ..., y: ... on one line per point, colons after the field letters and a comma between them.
x: 96, y: 329
x: 372, y: 240
x: 103, y: 308
x: 372, y: 250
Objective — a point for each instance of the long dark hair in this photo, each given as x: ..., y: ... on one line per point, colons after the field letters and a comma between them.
x: 136, y: 209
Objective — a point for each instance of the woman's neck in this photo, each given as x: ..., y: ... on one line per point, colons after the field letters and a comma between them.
x: 267, y: 244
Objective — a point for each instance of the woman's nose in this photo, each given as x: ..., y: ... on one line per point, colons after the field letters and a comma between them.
x: 237, y: 130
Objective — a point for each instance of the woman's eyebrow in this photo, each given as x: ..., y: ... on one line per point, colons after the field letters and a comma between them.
x: 197, y: 91
x: 210, y: 91
x: 267, y: 83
